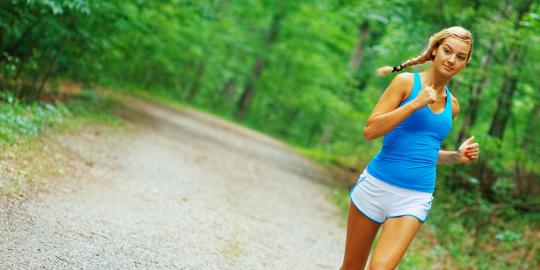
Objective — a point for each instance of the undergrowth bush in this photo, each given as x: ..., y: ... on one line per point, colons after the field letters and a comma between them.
x: 20, y: 120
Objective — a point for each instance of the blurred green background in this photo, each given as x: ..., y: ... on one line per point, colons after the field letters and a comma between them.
x: 303, y: 72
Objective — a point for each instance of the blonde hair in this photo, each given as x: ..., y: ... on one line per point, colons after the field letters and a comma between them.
x: 434, y: 42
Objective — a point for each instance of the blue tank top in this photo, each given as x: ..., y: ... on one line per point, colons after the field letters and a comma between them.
x: 408, y: 157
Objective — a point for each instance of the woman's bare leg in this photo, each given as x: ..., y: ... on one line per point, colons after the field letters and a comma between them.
x: 396, y: 236
x: 361, y: 232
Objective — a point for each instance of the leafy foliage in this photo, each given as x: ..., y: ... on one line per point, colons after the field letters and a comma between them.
x: 302, y: 71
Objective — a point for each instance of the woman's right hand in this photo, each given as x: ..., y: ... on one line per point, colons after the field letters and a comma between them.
x: 426, y: 96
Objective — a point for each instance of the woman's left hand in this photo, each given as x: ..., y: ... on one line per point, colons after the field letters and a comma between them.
x: 468, y: 151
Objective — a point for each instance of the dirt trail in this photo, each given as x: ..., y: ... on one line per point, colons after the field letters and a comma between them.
x: 181, y: 190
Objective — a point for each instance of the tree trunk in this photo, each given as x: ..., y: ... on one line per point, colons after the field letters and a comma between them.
x: 247, y: 94
x: 532, y: 129
x: 207, y: 52
x: 525, y: 178
x: 1, y: 40
x: 469, y: 118
x: 354, y: 63
x: 504, y: 102
x: 13, y: 48
x: 48, y: 73
x: 224, y: 94
x: 256, y: 70
x: 195, y: 86
x: 487, y: 175
x: 228, y: 89
x: 315, y: 128
x: 293, y: 115
x: 372, y: 37
x: 498, y: 125
x: 504, y: 107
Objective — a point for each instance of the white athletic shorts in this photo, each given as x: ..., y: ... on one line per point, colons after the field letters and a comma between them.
x: 379, y: 200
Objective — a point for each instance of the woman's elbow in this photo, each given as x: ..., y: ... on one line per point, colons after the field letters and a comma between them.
x: 368, y: 134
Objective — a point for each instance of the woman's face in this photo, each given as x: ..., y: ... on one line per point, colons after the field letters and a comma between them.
x: 451, y: 56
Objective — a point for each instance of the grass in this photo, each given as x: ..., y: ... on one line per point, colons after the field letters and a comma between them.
x: 24, y: 156
x: 22, y: 121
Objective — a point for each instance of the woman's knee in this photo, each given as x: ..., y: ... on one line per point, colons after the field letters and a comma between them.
x: 351, y: 265
x: 381, y: 265
x: 371, y: 265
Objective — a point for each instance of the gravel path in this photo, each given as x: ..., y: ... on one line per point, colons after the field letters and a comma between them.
x: 181, y: 190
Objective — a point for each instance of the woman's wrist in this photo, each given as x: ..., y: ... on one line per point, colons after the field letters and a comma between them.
x: 456, y: 157
x: 414, y: 105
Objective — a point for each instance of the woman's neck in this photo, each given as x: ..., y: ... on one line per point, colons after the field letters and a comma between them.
x: 432, y: 77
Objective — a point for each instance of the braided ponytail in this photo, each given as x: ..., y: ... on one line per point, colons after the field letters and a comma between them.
x: 434, y: 42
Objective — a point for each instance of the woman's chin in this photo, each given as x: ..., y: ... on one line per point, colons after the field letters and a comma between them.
x: 445, y: 71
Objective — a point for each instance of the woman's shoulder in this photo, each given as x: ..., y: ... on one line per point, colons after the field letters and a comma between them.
x: 405, y: 81
x: 405, y: 77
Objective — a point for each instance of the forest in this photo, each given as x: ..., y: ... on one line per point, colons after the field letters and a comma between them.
x: 304, y: 72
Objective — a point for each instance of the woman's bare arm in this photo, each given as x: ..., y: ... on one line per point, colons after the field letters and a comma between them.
x: 387, y: 115
x: 467, y: 151
x: 447, y: 157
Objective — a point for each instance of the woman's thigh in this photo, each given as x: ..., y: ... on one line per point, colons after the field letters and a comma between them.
x: 361, y: 232
x: 396, y: 236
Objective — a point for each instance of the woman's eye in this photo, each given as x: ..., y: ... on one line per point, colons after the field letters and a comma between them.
x: 446, y: 51
x: 461, y: 58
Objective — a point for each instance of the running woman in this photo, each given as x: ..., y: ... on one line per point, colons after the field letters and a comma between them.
x: 414, y: 114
